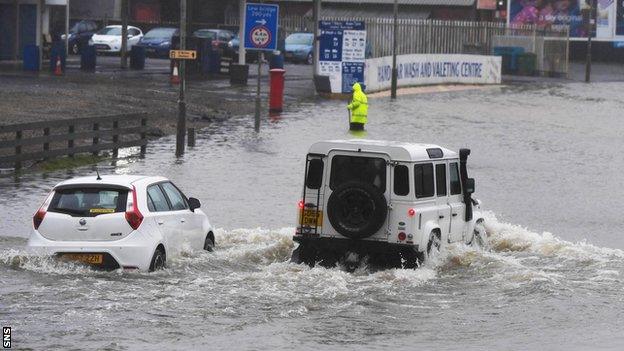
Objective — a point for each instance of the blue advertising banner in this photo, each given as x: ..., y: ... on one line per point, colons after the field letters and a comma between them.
x: 261, y: 27
x: 342, y: 49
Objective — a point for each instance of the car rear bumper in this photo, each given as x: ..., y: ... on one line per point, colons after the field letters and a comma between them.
x: 105, y: 48
x: 349, y: 245
x: 132, y: 252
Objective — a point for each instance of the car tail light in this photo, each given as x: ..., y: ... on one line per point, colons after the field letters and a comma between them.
x: 411, y: 212
x: 402, y: 236
x: 301, y: 205
x: 133, y: 215
x: 41, y: 212
x: 215, y: 43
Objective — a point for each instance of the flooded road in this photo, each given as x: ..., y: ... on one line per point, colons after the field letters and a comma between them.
x: 547, y: 162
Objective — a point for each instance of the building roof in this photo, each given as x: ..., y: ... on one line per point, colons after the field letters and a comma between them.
x: 391, y: 2
x: 397, y: 151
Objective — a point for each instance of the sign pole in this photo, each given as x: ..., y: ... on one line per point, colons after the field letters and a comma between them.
x: 181, y: 128
x: 393, y: 88
x: 124, y: 34
x: 241, y: 30
x: 590, y: 28
x: 257, y: 114
x: 316, y: 15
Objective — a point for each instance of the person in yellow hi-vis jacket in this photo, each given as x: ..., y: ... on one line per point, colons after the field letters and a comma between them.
x: 358, y: 108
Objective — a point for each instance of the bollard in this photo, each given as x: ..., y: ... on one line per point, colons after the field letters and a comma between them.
x: 276, y: 95
x: 191, y: 137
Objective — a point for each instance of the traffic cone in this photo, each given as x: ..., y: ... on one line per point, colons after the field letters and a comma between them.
x: 175, y: 77
x: 58, y: 70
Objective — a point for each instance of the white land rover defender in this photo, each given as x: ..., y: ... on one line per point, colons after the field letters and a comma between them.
x: 391, y: 202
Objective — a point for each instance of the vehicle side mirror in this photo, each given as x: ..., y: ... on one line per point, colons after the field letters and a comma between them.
x: 194, y: 203
x: 470, y: 185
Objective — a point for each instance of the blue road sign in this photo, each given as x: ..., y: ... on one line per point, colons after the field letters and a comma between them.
x: 261, y: 27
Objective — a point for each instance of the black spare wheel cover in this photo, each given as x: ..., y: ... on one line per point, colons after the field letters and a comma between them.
x: 357, y: 210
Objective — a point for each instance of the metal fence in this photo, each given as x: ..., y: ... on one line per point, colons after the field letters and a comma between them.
x: 49, y: 139
x: 426, y: 36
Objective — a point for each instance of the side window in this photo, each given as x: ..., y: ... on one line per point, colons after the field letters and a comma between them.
x: 175, y: 197
x: 441, y: 179
x: 401, y: 180
x: 371, y: 170
x: 157, y: 199
x: 92, y: 26
x: 454, y: 178
x: 423, y: 179
x: 223, y: 36
x: 314, y: 178
x: 82, y: 27
x: 133, y: 32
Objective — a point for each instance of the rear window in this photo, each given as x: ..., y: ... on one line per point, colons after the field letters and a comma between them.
x: 88, y: 202
x: 314, y: 178
x: 370, y: 170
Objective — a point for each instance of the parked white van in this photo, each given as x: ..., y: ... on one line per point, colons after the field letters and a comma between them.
x: 394, y: 203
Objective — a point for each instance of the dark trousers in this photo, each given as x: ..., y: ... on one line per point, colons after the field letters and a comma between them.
x: 356, y: 126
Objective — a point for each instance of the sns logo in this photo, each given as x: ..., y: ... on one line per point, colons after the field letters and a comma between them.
x: 6, y: 337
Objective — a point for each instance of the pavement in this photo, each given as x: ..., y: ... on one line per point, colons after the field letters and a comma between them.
x: 26, y: 96
x: 110, y: 90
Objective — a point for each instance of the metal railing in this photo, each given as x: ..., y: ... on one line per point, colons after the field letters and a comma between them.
x: 48, y: 139
x: 427, y: 36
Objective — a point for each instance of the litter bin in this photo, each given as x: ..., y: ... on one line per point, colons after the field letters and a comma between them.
x: 137, y: 57
x: 214, y: 61
x: 239, y: 74
x: 276, y: 61
x: 510, y: 57
x: 88, y: 59
x: 57, y: 52
x: 527, y: 64
x: 31, y: 58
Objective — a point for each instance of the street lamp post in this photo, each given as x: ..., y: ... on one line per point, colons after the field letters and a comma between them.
x: 393, y: 89
x: 181, y: 128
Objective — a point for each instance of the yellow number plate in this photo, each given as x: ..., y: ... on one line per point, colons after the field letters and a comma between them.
x: 84, y: 258
x: 312, y: 218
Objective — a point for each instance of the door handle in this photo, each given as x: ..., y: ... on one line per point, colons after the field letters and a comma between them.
x: 454, y: 214
x: 441, y: 216
x: 160, y: 222
x: 183, y: 220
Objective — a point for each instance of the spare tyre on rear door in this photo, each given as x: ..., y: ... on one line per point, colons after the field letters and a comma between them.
x: 357, y: 209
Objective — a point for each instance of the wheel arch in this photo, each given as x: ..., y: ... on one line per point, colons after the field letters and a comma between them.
x: 429, y: 227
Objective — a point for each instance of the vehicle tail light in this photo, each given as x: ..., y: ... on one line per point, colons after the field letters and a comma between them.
x: 133, y: 215
x: 402, y: 236
x: 215, y: 43
x: 41, y: 212
x: 411, y: 212
x: 301, y: 205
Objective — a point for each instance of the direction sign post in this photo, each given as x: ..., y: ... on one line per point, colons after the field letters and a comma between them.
x: 260, y: 35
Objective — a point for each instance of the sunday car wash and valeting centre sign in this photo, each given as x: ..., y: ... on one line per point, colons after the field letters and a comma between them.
x: 261, y: 27
x: 342, y: 47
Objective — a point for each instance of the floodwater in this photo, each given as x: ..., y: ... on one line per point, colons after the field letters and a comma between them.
x: 547, y: 161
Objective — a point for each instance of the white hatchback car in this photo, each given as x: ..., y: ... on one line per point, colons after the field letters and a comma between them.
x: 108, y: 39
x: 111, y: 222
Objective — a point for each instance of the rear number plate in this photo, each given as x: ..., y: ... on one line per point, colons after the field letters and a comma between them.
x: 84, y: 258
x: 312, y: 218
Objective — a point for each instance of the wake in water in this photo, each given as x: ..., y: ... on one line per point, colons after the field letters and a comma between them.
x: 513, y: 253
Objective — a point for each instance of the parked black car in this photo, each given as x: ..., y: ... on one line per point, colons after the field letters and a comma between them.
x: 219, y: 37
x: 80, y: 34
